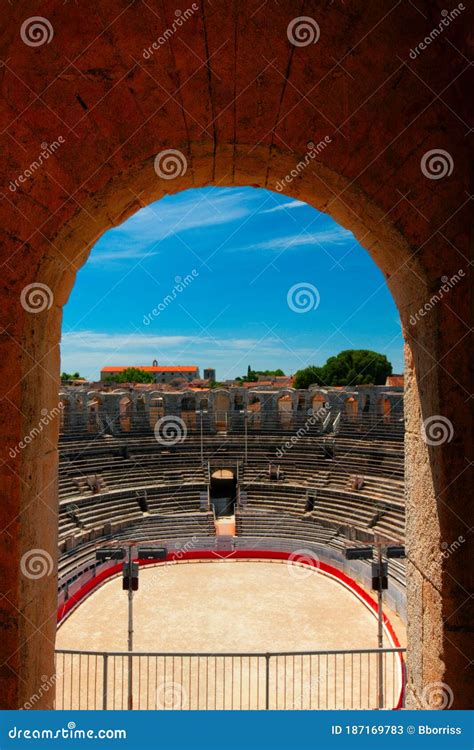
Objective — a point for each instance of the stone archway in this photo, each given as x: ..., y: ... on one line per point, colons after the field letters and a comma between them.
x: 264, y: 103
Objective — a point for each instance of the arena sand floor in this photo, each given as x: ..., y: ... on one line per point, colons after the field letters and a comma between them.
x: 220, y: 607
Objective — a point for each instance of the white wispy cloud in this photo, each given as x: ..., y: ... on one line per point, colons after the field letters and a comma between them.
x: 141, y: 235
x: 333, y: 236
x: 106, y: 342
x: 290, y: 205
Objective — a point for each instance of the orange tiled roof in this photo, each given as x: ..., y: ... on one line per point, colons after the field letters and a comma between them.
x: 176, y: 368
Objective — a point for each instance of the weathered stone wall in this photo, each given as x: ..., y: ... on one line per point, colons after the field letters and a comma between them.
x: 76, y: 402
x: 240, y: 101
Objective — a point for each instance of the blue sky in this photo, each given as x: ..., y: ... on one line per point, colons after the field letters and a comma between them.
x: 241, y: 250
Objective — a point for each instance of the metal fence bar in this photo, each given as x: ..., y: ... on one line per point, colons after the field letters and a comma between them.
x: 105, y: 671
x: 400, y: 650
x: 330, y: 679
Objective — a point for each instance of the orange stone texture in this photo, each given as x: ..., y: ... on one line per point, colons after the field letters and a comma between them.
x: 231, y: 92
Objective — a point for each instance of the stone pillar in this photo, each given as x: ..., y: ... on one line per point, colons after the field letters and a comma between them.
x: 29, y: 383
x: 439, y: 516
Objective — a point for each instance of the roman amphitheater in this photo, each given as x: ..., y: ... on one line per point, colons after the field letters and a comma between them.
x: 249, y: 476
x: 241, y: 99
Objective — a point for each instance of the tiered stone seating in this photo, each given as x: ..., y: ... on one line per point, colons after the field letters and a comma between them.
x: 267, y: 524
x: 334, y: 506
x: 145, y: 491
x: 371, y: 428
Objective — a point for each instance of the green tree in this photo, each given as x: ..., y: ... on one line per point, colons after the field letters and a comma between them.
x: 131, y: 375
x: 70, y: 376
x: 253, y: 375
x: 308, y: 376
x: 350, y: 367
x: 215, y: 384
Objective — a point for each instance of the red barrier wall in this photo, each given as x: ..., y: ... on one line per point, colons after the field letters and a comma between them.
x: 330, y: 570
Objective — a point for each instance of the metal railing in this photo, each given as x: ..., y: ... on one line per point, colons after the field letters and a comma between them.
x: 304, y: 680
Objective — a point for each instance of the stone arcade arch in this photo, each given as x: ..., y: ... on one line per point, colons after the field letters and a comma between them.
x: 384, y: 408
x: 351, y: 407
x: 221, y: 408
x: 318, y: 402
x: 285, y: 408
x: 157, y: 409
x: 94, y: 406
x: 125, y: 412
x: 254, y: 411
x: 188, y: 410
x: 242, y: 116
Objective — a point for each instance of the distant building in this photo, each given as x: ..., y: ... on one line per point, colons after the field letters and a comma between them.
x: 163, y: 374
x: 395, y: 380
x: 209, y: 374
